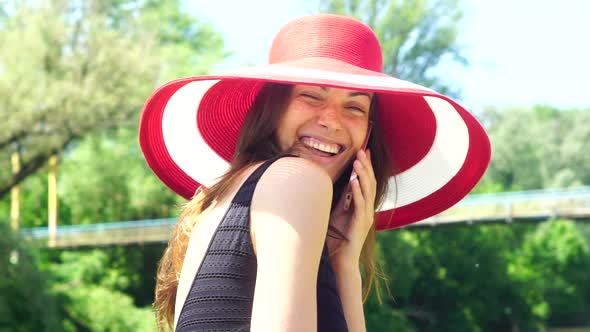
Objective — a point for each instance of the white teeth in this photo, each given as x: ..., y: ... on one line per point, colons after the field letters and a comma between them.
x: 329, y: 148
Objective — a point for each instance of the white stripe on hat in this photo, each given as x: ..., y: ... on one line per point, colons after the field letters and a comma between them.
x: 439, y: 165
x: 179, y: 128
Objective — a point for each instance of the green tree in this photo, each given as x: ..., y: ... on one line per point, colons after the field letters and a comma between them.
x: 83, y: 66
x: 105, y: 179
x: 547, y: 152
x: 33, y: 197
x: 26, y: 303
x: 556, y: 257
x: 92, y: 299
x: 518, y: 151
x: 572, y: 163
x: 396, y: 255
x: 484, y: 278
x: 95, y: 62
x: 462, y: 283
x: 415, y: 35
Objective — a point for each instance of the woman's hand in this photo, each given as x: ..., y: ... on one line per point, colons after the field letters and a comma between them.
x: 355, y: 222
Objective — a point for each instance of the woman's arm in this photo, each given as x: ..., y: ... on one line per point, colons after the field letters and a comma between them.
x: 349, y: 283
x: 345, y: 255
x: 289, y: 220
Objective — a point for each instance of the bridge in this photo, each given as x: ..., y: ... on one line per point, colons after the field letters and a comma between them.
x: 506, y: 207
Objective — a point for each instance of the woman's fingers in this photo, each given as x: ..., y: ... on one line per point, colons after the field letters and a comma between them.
x: 368, y: 157
x: 369, y: 166
x: 364, y: 169
x: 357, y: 196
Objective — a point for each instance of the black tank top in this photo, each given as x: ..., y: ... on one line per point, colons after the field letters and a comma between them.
x: 222, y: 292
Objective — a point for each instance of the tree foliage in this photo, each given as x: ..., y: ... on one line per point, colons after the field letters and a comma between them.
x: 26, y: 303
x: 106, y: 179
x: 82, y: 66
x: 440, y: 277
x: 91, y: 289
x: 555, y: 258
x: 76, y: 90
x: 484, y: 278
x: 538, y: 147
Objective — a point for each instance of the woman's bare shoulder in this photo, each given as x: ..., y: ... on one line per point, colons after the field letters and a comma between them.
x: 300, y: 168
x: 294, y: 194
x: 295, y: 179
x: 288, y: 219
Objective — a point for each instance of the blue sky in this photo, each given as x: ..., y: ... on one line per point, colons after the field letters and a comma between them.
x: 520, y: 52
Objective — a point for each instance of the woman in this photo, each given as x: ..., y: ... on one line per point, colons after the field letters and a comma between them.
x: 278, y: 225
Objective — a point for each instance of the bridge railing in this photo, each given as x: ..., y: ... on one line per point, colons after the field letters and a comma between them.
x: 532, y: 205
x: 103, y: 234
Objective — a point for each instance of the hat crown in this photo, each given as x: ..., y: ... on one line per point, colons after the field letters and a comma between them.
x: 328, y: 36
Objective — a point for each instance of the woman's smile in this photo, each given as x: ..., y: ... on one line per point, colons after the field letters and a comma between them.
x: 315, y: 144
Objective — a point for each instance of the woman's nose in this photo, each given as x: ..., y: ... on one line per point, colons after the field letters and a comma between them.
x: 329, y: 117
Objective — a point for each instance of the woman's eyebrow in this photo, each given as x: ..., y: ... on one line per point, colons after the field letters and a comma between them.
x: 360, y: 93
x: 351, y: 94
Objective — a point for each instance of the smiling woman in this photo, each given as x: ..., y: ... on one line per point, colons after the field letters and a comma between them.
x: 325, y: 125
x: 265, y: 156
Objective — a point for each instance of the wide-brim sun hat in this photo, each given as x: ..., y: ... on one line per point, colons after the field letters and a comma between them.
x: 189, y: 127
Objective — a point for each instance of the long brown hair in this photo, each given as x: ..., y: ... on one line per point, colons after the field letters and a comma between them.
x: 256, y: 143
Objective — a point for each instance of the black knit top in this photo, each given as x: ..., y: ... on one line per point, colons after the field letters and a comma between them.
x: 222, y: 292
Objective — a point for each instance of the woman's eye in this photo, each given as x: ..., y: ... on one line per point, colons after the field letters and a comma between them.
x: 309, y: 96
x: 356, y: 109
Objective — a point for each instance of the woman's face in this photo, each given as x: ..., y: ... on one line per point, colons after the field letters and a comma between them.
x: 325, y: 125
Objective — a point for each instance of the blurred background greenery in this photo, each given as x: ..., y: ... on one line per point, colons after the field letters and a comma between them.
x: 73, y: 78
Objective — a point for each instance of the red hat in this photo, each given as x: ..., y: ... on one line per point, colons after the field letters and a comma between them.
x: 189, y: 127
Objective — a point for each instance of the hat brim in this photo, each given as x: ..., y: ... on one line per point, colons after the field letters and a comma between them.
x: 189, y: 128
